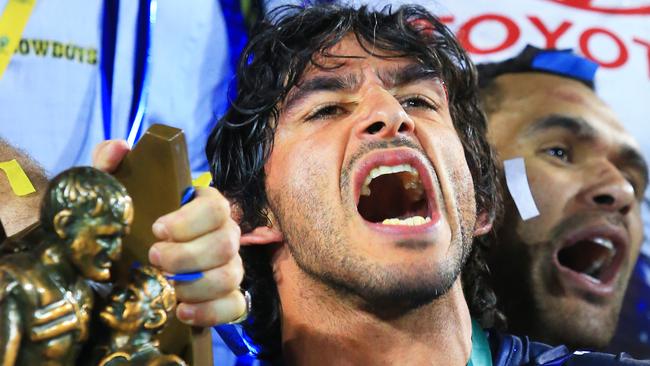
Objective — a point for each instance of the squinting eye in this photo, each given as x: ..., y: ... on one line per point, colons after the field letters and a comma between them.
x: 559, y: 153
x: 325, y: 112
x: 417, y: 102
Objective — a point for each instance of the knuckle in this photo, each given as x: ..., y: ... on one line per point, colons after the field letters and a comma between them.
x: 215, y: 192
x: 235, y: 228
x: 224, y: 277
x: 238, y: 275
x: 233, y: 240
x: 231, y: 277
x: 227, y: 246
x: 220, y: 208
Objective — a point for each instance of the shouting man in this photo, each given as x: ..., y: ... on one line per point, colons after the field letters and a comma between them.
x: 356, y: 155
x: 561, y: 276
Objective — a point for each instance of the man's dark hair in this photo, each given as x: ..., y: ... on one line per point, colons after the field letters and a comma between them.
x: 273, y: 63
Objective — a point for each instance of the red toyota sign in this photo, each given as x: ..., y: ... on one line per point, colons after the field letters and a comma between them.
x: 636, y: 8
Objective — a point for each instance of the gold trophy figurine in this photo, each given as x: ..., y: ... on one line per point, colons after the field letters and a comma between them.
x: 136, y: 314
x: 45, y: 300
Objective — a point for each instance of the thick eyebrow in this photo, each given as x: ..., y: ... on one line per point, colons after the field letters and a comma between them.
x: 577, y: 126
x: 391, y: 78
x: 348, y: 82
x: 406, y: 75
x: 631, y: 157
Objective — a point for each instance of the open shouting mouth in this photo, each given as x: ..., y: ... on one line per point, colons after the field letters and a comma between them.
x: 592, y: 257
x: 394, y: 189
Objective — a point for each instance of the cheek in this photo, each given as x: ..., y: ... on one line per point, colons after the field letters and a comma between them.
x: 446, y: 152
x: 299, y: 161
x: 552, y: 189
x: 636, y: 230
x: 82, y: 247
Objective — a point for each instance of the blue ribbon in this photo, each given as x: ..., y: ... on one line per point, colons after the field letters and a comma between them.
x: 235, y: 338
x: 145, y: 21
x: 107, y: 60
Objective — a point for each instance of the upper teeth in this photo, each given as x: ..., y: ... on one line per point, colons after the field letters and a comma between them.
x: 597, y: 266
x: 604, y: 242
x: 383, y: 169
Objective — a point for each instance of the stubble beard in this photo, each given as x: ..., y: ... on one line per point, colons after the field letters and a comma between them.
x: 537, y: 305
x: 317, y: 240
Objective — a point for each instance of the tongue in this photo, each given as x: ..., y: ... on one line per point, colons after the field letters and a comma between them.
x: 586, y: 257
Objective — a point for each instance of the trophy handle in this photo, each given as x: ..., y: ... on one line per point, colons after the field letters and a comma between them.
x: 156, y: 173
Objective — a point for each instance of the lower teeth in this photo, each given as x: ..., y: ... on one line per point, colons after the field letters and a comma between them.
x: 411, y: 221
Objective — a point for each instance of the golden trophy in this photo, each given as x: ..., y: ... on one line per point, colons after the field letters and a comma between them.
x: 49, y: 270
x: 45, y: 299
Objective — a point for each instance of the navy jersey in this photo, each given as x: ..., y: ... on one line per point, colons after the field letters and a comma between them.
x: 509, y: 350
x: 506, y: 350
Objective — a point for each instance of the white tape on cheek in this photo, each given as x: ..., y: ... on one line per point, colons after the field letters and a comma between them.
x: 517, y: 183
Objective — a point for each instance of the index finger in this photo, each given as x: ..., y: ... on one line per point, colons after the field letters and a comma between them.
x: 207, y: 212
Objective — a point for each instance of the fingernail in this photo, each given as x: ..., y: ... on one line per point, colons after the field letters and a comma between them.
x: 186, y: 314
x: 159, y: 230
x: 154, y: 256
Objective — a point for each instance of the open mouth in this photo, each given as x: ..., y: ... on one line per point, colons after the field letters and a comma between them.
x: 594, y: 255
x: 394, y: 195
x: 591, y: 257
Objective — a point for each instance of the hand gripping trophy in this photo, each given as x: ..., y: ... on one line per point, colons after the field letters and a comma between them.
x: 45, y: 299
x: 46, y: 271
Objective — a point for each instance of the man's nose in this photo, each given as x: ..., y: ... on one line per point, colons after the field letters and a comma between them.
x: 608, y: 189
x: 382, y: 117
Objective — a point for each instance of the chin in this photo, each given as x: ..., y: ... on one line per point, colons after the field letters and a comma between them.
x: 577, y: 323
x: 397, y: 287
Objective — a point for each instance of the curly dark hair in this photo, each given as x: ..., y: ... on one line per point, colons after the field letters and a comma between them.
x: 284, y: 45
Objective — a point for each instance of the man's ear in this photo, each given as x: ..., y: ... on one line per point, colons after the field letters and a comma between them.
x: 157, y: 320
x: 263, y: 235
x: 483, y: 223
x: 61, y: 222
